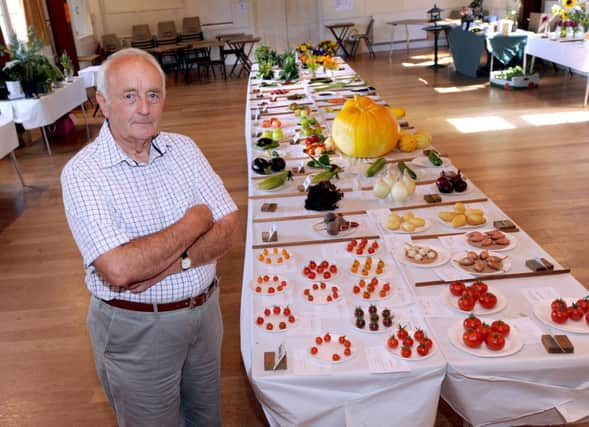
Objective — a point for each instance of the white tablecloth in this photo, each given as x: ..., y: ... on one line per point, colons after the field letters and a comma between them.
x: 530, y: 386
x: 574, y: 55
x: 34, y: 113
x: 89, y: 74
x: 8, y: 137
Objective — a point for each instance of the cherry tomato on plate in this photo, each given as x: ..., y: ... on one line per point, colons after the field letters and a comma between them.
x: 393, y: 342
x: 472, y: 338
x: 402, y: 332
x: 480, y: 287
x: 575, y: 312
x: 557, y: 303
x: 466, y: 302
x: 559, y: 315
x: 406, y: 352
x: 584, y: 304
x: 427, y: 342
x: 484, y: 329
x: 422, y: 349
x: 495, y: 341
x: 419, y: 335
x: 501, y: 327
x: 457, y: 288
x: 471, y: 322
x: 488, y: 300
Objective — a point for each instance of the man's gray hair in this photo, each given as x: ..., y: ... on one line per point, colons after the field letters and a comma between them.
x: 131, y: 52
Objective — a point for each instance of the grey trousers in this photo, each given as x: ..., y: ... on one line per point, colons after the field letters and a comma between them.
x: 159, y: 369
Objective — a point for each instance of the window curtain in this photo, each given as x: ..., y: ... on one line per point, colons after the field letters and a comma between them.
x: 35, y: 18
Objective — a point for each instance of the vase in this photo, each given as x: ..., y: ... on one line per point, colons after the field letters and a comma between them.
x: 69, y: 75
x: 14, y: 90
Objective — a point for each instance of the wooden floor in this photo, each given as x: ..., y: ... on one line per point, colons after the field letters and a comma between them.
x: 537, y: 174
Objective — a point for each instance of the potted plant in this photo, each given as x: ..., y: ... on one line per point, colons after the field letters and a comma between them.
x: 29, y: 66
x: 67, y: 66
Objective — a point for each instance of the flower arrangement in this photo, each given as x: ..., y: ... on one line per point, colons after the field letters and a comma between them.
x: 573, y: 15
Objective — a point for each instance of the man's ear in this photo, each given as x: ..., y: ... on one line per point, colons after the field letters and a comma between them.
x: 103, y: 104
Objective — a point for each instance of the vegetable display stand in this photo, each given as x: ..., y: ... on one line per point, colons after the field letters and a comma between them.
x: 527, y: 81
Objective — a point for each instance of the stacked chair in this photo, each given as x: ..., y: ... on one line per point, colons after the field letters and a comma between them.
x: 141, y: 37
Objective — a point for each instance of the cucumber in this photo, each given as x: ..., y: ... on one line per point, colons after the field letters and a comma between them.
x: 402, y: 166
x: 434, y: 158
x: 375, y: 167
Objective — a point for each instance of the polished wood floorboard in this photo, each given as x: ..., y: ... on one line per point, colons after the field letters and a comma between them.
x: 537, y: 174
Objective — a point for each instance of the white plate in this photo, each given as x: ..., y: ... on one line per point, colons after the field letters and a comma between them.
x: 506, y: 264
x: 374, y: 296
x: 381, y: 328
x: 543, y: 312
x: 443, y: 257
x: 319, y: 277
x: 434, y: 189
x: 424, y: 162
x: 415, y: 356
x: 326, y: 350
x: 372, y: 272
x: 512, y: 242
x: 364, y: 254
x: 320, y: 227
x: 320, y: 295
x: 275, y: 319
x: 266, y: 285
x: 452, y: 302
x: 513, y: 343
x: 384, y: 227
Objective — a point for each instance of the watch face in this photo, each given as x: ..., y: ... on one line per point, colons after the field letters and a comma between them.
x: 186, y: 263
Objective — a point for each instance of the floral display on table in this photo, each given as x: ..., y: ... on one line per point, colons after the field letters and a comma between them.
x: 313, y: 57
x: 68, y: 68
x: 574, y: 17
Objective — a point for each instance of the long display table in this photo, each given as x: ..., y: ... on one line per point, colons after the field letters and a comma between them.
x: 521, y: 384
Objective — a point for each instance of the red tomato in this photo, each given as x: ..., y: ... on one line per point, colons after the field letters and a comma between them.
x: 481, y: 287
x: 557, y: 303
x: 406, y: 352
x: 457, y: 288
x: 422, y: 349
x: 472, y: 338
x: 341, y: 339
x: 276, y: 309
x: 312, y: 265
x: 471, y: 322
x: 269, y: 326
x: 267, y: 312
x: 311, y: 275
x: 356, y: 290
x: 306, y: 271
x: 324, y: 264
x: 584, y: 304
x: 393, y: 342
x: 291, y: 319
x: 428, y: 343
x: 474, y: 293
x: 560, y: 315
x: 327, y: 275
x: 408, y: 341
x: 347, y: 351
x: 319, y: 340
x: 575, y: 312
x: 314, y: 350
x: 402, y: 332
x: 501, y: 327
x: 495, y: 341
x: 286, y: 311
x: 282, y: 325
x: 419, y: 335
x: 333, y: 269
x: 336, y: 357
x: 260, y: 320
x: 488, y: 300
x: 484, y: 329
x: 315, y: 286
x: 327, y: 337
x: 466, y: 301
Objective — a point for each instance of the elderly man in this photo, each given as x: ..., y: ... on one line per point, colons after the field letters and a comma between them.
x: 150, y: 218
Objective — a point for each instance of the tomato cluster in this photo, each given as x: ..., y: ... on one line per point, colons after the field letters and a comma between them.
x: 468, y: 296
x: 275, y: 311
x: 324, y: 270
x: 270, y: 285
x: 365, y: 268
x: 358, y: 248
x: 406, y: 341
x: 312, y: 294
x: 477, y: 332
x: 274, y: 122
x: 279, y: 92
x: 368, y: 288
x: 561, y: 312
x: 342, y: 340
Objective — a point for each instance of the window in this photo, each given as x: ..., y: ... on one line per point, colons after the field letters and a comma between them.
x: 16, y: 17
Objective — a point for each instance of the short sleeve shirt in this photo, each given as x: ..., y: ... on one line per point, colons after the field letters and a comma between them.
x: 110, y: 199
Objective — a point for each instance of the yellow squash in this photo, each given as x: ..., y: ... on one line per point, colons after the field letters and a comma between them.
x: 365, y: 129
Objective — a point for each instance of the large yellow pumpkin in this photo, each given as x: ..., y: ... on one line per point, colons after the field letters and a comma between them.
x: 365, y: 129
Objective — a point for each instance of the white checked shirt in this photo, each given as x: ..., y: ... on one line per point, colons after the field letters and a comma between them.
x: 110, y: 199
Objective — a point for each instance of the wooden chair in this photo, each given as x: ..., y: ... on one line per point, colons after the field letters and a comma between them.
x: 166, y: 33
x: 110, y: 43
x: 141, y: 37
x: 367, y: 36
x: 191, y: 25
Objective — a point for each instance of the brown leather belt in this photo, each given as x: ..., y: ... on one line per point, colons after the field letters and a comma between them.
x: 168, y: 306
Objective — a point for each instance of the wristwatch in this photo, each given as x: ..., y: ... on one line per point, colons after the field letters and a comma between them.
x: 185, y: 261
